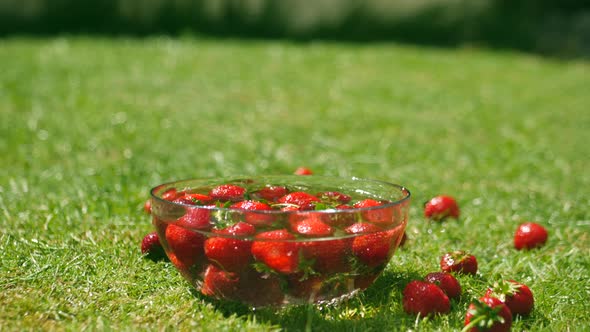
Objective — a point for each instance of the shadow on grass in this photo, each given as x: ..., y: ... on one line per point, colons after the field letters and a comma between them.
x: 369, y: 309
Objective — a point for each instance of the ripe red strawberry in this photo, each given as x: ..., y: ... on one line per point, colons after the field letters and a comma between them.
x: 277, y: 251
x: 377, y: 214
x: 193, y: 199
x: 219, y: 283
x: 518, y: 297
x: 196, y: 218
x: 372, y: 249
x: 441, y: 207
x: 459, y: 261
x: 327, y: 256
x: 447, y: 282
x: 303, y: 171
x: 257, y: 219
x: 488, y: 314
x: 227, y: 192
x: 310, y: 224
x: 147, y: 206
x: 424, y: 298
x: 333, y: 196
x: 272, y: 193
x: 530, y: 235
x: 152, y: 248
x: 170, y: 194
x: 231, y: 254
x: 302, y: 199
x: 186, y: 245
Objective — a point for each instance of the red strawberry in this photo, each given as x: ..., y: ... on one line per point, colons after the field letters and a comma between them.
x: 530, y: 235
x: 227, y: 192
x: 375, y: 213
x: 459, y: 261
x: 229, y: 253
x: 373, y: 249
x: 196, y: 218
x: 328, y: 256
x: 186, y: 245
x: 333, y: 196
x: 257, y: 219
x: 303, y: 171
x: 147, y: 206
x: 277, y: 251
x: 271, y: 193
x: 310, y: 224
x: 447, y: 282
x: 488, y: 314
x: 299, y: 198
x: 152, y: 248
x: 424, y: 298
x: 170, y: 194
x: 193, y: 199
x: 441, y: 207
x: 219, y: 283
x: 518, y: 297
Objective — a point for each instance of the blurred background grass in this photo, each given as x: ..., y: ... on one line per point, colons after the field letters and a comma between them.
x: 556, y: 28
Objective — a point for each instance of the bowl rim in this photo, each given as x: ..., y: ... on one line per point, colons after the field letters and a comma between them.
x: 400, y: 188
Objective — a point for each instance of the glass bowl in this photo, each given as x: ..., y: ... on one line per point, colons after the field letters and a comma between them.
x: 280, y: 240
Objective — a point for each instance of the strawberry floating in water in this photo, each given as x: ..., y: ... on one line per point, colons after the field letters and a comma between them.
x: 229, y: 253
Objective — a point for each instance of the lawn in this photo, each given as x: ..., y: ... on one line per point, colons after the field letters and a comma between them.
x: 89, y: 125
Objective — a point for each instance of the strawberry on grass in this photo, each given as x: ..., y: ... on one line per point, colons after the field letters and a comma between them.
x: 517, y: 296
x: 530, y: 235
x: 303, y: 171
x: 459, y: 261
x: 447, y: 282
x: 487, y: 314
x: 152, y: 248
x: 440, y: 207
x: 425, y: 298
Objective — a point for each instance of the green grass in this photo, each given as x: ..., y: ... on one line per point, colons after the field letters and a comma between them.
x: 88, y: 126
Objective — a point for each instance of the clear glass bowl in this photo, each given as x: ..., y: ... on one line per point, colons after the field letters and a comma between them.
x: 291, y: 253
